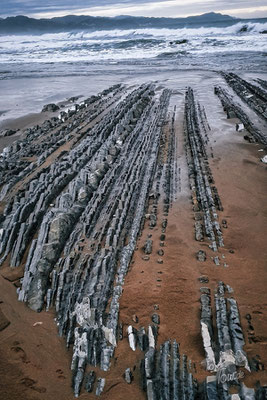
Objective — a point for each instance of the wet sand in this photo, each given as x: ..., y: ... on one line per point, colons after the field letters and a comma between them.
x: 19, y: 101
x: 34, y: 361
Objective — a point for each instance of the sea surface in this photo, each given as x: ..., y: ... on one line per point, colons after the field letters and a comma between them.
x: 37, y: 69
x: 184, y: 46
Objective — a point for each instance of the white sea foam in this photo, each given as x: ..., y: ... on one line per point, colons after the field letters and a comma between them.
x: 131, y: 44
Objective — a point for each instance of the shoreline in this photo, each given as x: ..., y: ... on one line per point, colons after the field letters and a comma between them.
x: 28, y: 105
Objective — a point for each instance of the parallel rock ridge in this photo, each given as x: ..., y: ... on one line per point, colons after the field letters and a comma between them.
x: 254, y: 96
x: 166, y: 374
x: 233, y: 110
x: 26, y: 209
x: 205, y: 199
x: 24, y: 155
x: 229, y: 332
x: 88, y: 207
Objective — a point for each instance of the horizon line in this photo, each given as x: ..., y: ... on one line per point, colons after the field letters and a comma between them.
x: 127, y: 15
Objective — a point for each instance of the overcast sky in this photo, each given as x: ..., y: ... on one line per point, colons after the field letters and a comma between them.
x: 149, y: 8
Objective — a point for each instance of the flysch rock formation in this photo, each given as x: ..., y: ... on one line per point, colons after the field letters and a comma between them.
x: 254, y: 96
x: 205, y: 197
x: 76, y: 193
x: 234, y: 110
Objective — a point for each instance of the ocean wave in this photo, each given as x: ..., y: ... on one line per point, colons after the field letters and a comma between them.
x: 168, y: 33
x: 173, y: 54
x: 135, y: 44
x: 126, y: 34
x: 240, y: 27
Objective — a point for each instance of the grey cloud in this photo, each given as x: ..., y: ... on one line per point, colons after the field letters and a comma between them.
x: 14, y: 7
x: 32, y: 7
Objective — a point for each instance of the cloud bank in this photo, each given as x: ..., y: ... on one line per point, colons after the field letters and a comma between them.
x: 148, y: 8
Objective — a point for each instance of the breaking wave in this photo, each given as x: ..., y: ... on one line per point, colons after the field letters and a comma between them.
x: 132, y: 44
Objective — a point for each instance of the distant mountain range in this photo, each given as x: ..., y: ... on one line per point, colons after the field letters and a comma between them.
x: 22, y: 24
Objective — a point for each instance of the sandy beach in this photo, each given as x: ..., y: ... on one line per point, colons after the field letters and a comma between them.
x: 34, y: 361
